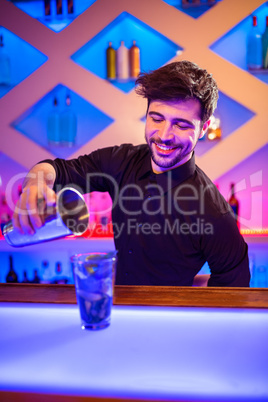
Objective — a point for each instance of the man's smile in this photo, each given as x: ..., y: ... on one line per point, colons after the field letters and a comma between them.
x: 165, y: 149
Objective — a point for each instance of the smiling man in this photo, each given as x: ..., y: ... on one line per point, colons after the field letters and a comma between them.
x: 168, y: 217
x: 172, y: 131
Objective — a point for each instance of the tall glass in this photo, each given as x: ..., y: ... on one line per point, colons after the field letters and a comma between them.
x: 94, y: 275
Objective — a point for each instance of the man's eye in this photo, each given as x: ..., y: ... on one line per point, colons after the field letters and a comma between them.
x: 156, y: 120
x: 181, y: 127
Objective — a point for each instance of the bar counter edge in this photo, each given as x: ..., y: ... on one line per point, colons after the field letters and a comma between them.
x: 142, y: 295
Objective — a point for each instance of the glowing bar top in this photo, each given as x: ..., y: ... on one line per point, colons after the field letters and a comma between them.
x: 185, y: 353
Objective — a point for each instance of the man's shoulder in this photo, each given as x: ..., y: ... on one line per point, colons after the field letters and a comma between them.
x: 124, y: 152
x: 120, y: 159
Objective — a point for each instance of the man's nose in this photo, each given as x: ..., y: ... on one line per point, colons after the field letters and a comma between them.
x: 166, y: 132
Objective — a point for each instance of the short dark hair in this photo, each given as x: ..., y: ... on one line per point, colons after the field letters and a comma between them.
x: 177, y: 81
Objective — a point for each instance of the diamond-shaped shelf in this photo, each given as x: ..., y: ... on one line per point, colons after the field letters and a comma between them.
x: 23, y: 59
x: 155, y: 49
x: 56, y: 22
x: 193, y: 8
x: 233, y: 45
x: 232, y: 115
x: 90, y: 120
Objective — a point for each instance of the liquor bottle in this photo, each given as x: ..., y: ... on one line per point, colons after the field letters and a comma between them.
x: 11, y: 277
x: 254, y: 47
x: 53, y: 125
x: 122, y: 62
x: 47, y: 9
x: 234, y: 203
x: 70, y: 7
x: 214, y: 130
x: 110, y: 62
x: 25, y: 277
x: 5, y: 68
x: 134, y: 60
x: 36, y: 278
x: 68, y: 124
x: 265, y: 46
x: 59, y: 11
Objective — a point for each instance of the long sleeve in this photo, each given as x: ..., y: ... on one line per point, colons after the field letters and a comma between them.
x: 87, y: 173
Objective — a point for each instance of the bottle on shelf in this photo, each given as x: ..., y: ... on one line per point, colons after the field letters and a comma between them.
x: 68, y: 124
x: 53, y: 125
x: 11, y: 277
x: 25, y: 277
x: 122, y: 62
x: 110, y: 62
x: 36, y: 278
x: 254, y: 46
x: 5, y: 66
x: 265, y: 46
x: 134, y: 60
x: 214, y: 130
x: 234, y: 203
x: 47, y: 9
x: 70, y: 7
x: 59, y: 10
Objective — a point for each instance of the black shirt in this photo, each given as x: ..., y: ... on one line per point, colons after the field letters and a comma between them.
x: 166, y: 226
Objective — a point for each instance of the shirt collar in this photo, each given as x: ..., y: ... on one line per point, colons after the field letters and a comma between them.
x: 170, y: 178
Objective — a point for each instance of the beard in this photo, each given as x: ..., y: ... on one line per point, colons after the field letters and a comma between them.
x: 169, y: 160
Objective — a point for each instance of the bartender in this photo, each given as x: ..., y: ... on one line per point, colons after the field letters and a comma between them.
x: 168, y: 217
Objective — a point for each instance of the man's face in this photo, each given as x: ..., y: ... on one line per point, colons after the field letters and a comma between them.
x: 172, y: 131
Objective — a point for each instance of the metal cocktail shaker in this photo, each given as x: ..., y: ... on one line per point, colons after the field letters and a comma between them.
x: 70, y: 217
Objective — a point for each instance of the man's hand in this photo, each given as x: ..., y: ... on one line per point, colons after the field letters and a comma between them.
x: 35, y: 200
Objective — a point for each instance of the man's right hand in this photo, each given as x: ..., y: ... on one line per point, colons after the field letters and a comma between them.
x: 31, y: 208
x: 35, y: 200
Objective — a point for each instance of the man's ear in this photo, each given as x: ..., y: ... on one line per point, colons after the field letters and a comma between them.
x: 204, y: 128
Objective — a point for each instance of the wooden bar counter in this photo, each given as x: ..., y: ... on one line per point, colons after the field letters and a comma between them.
x: 142, y: 295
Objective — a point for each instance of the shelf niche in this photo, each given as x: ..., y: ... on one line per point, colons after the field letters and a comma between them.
x: 90, y: 120
x: 155, y: 48
x: 233, y: 45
